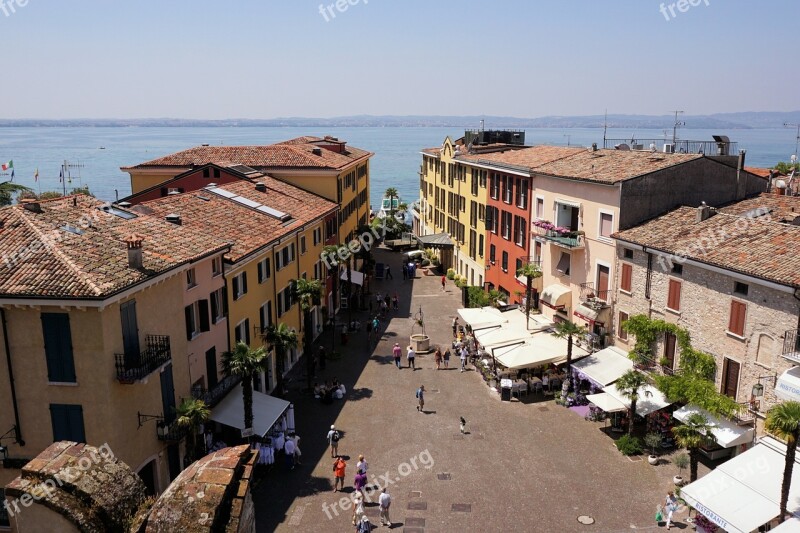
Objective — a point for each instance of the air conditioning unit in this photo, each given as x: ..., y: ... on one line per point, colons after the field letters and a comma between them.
x: 669, y: 148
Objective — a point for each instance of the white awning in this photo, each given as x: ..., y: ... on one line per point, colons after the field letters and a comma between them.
x: 792, y: 524
x: 788, y: 385
x: 650, y: 399
x: 743, y: 493
x: 484, y: 317
x: 541, y: 349
x: 357, y: 277
x: 606, y: 402
x: 726, y: 433
x: 498, y: 335
x: 605, y: 366
x: 586, y: 313
x: 556, y: 295
x: 266, y: 411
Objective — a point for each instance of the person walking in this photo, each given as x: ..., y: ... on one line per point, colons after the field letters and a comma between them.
x: 333, y: 440
x: 421, y: 398
x: 444, y: 283
x: 446, y: 358
x: 358, y: 508
x: 438, y: 358
x: 463, y: 355
x: 360, y: 481
x: 395, y: 302
x: 389, y: 272
x: 670, y: 505
x: 297, y: 452
x: 397, y: 352
x: 384, y: 309
x: 411, y: 355
x: 405, y: 271
x: 455, y: 326
x: 339, y: 467
x: 362, y: 465
x: 385, y: 501
x: 288, y: 450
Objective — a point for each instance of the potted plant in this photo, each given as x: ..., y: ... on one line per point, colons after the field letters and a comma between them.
x: 652, y: 441
x: 681, y: 461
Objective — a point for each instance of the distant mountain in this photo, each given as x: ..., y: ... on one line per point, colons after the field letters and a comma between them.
x: 726, y: 121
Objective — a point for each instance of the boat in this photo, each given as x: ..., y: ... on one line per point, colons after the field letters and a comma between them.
x: 391, y: 207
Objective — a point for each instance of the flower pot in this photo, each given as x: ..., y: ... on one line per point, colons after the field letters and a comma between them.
x: 678, y: 480
x: 652, y: 459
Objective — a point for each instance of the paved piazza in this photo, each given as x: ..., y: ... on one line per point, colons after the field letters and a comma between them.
x: 523, y: 466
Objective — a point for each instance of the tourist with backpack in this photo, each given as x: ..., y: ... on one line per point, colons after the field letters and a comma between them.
x: 421, y: 398
x: 339, y: 466
x: 333, y: 440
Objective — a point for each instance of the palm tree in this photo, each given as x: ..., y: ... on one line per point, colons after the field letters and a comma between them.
x: 8, y: 188
x: 494, y: 296
x: 567, y: 330
x: 282, y: 339
x: 193, y: 413
x: 391, y: 193
x: 308, y: 294
x: 783, y: 421
x: 531, y: 271
x: 628, y: 385
x: 245, y: 362
x: 692, y: 434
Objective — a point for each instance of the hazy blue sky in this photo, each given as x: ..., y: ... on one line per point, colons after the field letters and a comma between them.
x: 265, y: 59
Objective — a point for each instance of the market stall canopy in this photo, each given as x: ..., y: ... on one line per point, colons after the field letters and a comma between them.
x: 650, y: 399
x: 356, y: 276
x: 438, y: 240
x: 726, y: 433
x: 556, y: 295
x: 586, y: 313
x: 743, y: 493
x: 788, y: 385
x: 484, y: 317
x: 266, y: 411
x: 605, y: 366
x: 606, y: 402
x: 541, y: 349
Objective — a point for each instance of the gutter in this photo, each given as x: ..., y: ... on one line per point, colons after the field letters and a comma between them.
x: 17, y: 430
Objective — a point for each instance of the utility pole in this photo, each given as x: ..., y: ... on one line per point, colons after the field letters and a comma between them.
x: 797, y: 137
x: 675, y: 127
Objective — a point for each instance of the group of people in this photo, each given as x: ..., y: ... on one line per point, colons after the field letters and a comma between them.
x: 384, y: 301
x: 269, y: 447
x: 409, y: 270
x: 331, y: 390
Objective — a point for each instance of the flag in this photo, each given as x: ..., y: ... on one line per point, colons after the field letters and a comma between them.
x: 36, y: 175
x: 60, y: 176
x: 8, y: 165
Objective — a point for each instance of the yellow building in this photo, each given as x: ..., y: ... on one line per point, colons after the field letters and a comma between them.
x: 327, y: 167
x: 89, y: 296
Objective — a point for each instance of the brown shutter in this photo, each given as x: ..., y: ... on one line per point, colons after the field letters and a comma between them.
x: 674, y: 295
x: 736, y: 321
x: 627, y: 272
x: 730, y: 378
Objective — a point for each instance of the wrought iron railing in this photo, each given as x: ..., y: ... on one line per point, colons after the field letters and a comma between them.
x: 680, y: 146
x: 215, y: 394
x: 746, y: 415
x: 172, y: 432
x: 573, y: 239
x: 791, y: 345
x: 593, y: 296
x: 134, y: 367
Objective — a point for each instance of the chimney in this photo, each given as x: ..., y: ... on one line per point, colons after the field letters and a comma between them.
x: 741, y: 185
x: 173, y: 218
x: 134, y: 244
x: 260, y: 187
x: 703, y: 212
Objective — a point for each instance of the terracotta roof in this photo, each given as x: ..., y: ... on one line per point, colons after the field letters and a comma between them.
x: 757, y: 247
x: 782, y: 208
x: 532, y: 157
x: 762, y: 172
x: 72, y: 248
x: 208, y: 210
x: 295, y: 153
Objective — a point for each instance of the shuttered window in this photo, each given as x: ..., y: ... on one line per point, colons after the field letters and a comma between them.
x: 67, y: 422
x: 674, y: 295
x: 736, y: 321
x: 621, y: 333
x: 58, y: 348
x: 606, y: 224
x: 730, y: 378
x: 627, y: 274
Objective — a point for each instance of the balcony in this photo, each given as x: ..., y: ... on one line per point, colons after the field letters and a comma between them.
x: 566, y: 239
x: 215, y: 394
x: 171, y: 432
x: 135, y: 367
x: 791, y: 346
x: 590, y: 297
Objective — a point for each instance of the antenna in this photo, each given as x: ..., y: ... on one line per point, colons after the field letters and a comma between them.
x: 797, y: 138
x: 65, y: 173
x: 675, y: 127
x: 567, y: 135
x: 605, y: 127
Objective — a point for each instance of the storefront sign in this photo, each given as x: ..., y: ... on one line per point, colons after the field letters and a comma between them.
x: 711, y: 515
x: 788, y: 386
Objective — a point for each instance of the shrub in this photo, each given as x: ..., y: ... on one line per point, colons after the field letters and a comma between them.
x: 425, y: 262
x: 652, y: 441
x: 476, y: 297
x: 629, y: 445
x: 451, y: 273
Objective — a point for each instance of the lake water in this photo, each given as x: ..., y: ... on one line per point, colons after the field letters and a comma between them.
x: 395, y: 164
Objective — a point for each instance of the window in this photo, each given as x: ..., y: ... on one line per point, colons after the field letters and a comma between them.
x: 302, y: 244
x: 219, y: 305
x: 508, y: 189
x: 677, y: 268
x: 67, y: 421
x: 522, y: 194
x: 284, y: 257
x: 495, y: 186
x: 669, y: 349
x: 239, y: 285
x: 505, y: 262
x: 265, y: 316
x: 520, y: 225
x: 242, y: 331
x: 191, y: 278
x: 627, y: 253
x: 625, y: 278
x: 284, y: 300
x: 539, y: 207
x: 603, y: 275
x: 606, y: 225
x: 506, y: 225
x: 206, y: 173
x: 216, y: 266
x: 58, y: 348
x: 216, y: 173
x: 492, y: 252
x: 674, y: 295
x: 480, y: 245
x: 264, y: 270
x: 730, y: 378
x: 740, y: 288
x: 196, y: 318
x: 537, y: 252
x: 563, y: 264
x: 518, y: 266
x: 736, y: 320
x: 481, y: 212
x: 621, y: 333
x: 317, y: 236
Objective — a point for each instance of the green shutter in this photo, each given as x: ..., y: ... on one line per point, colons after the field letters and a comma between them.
x: 58, y: 347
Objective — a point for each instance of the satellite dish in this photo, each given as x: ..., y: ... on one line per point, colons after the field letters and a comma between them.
x: 793, y: 158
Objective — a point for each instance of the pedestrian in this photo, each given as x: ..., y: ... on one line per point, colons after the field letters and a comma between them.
x: 360, y: 481
x: 463, y: 355
x: 444, y: 283
x: 395, y: 302
x: 384, y: 501
x: 397, y: 352
x: 446, y: 357
x: 411, y: 271
x: 389, y: 272
x: 339, y: 466
x: 421, y: 398
x: 671, y: 503
x: 378, y: 299
x: 455, y: 326
x: 405, y: 271
x: 411, y: 355
x: 297, y: 452
x: 288, y: 450
x: 376, y: 326
x: 358, y: 508
x: 384, y: 309
x: 438, y: 358
x: 364, y: 526
x: 333, y: 439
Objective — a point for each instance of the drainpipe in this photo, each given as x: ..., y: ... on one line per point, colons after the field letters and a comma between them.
x: 17, y: 430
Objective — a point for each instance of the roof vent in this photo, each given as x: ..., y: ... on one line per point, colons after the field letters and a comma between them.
x: 125, y: 204
x: 173, y: 219
x: 703, y: 212
x: 260, y: 187
x: 316, y: 151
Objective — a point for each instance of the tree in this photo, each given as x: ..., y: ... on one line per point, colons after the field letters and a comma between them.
x: 628, y: 385
x: 193, y: 413
x: 7, y: 190
x: 308, y: 293
x: 567, y: 330
x: 786, y: 168
x: 282, y: 339
x: 245, y: 362
x: 494, y: 296
x: 783, y: 421
x: 531, y: 271
x: 692, y: 434
x: 391, y: 194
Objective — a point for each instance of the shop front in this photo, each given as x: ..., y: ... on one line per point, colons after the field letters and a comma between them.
x: 729, y: 438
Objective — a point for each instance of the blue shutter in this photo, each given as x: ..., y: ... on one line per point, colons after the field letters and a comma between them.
x: 168, y: 394
x: 244, y: 282
x: 236, y: 287
x: 58, y: 347
x: 67, y: 421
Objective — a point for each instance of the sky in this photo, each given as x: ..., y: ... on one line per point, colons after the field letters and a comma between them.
x: 213, y: 59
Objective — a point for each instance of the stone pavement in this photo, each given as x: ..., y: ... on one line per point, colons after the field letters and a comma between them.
x: 522, y: 466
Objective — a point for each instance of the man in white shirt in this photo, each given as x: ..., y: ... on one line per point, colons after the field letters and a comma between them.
x: 463, y: 354
x: 288, y: 449
x: 384, y: 502
x: 411, y: 356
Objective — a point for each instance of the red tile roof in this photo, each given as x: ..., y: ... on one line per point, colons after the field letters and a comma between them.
x: 294, y: 153
x: 762, y: 172
x: 247, y: 229
x: 782, y: 208
x: 39, y: 258
x: 757, y: 247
